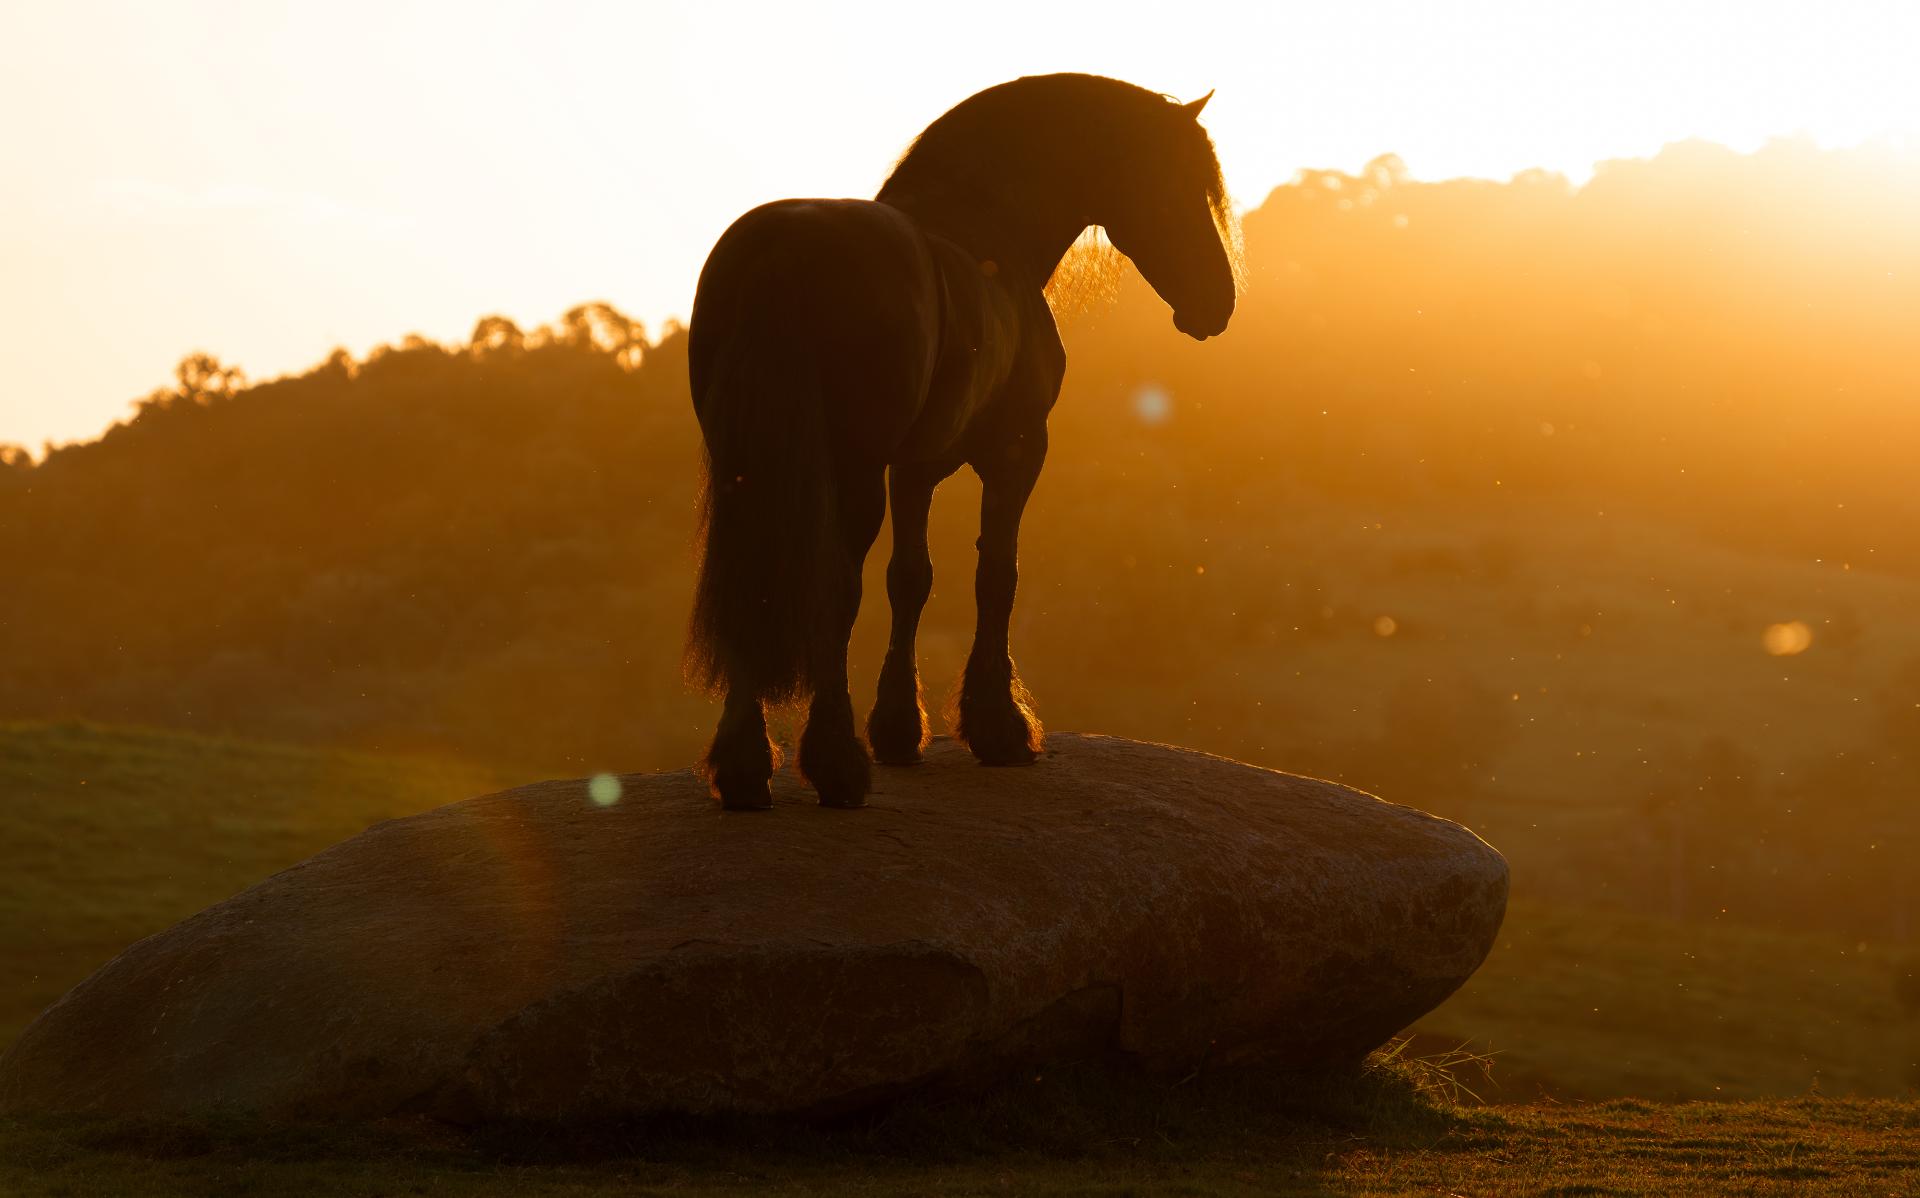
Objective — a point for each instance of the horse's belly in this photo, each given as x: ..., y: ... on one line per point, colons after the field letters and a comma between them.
x: 941, y: 424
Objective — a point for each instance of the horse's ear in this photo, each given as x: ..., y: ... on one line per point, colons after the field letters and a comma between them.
x: 1193, y: 109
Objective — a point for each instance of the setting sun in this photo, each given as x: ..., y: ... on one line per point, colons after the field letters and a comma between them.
x: 415, y: 166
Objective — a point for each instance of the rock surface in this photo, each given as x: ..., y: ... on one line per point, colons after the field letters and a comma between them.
x: 536, y: 954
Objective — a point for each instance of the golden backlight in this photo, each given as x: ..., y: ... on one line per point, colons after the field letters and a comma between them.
x: 270, y: 181
x: 1555, y: 473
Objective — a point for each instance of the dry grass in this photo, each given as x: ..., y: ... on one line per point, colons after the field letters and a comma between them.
x: 1086, y: 1134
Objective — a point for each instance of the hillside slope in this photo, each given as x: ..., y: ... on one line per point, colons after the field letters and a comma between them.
x: 111, y: 834
x: 1583, y: 515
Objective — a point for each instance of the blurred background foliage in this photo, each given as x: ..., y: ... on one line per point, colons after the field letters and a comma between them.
x: 1584, y: 515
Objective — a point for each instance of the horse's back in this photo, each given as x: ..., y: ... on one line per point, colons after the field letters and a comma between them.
x: 843, y: 293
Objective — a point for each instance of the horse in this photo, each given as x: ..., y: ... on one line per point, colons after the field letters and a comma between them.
x: 846, y: 356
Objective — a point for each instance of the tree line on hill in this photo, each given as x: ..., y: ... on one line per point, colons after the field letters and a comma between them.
x: 1429, y: 392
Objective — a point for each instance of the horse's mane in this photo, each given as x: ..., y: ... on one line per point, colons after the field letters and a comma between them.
x: 1031, y: 117
x: 1088, y: 276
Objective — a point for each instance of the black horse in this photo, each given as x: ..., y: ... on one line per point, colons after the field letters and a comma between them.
x: 848, y: 352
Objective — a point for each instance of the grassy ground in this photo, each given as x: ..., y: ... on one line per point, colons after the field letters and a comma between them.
x: 108, y: 835
x: 1082, y: 1133
x: 1593, y: 1004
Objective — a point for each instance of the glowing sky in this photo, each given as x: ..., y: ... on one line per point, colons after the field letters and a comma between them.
x: 267, y: 181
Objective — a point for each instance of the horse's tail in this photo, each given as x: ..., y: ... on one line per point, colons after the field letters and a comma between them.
x: 771, y: 560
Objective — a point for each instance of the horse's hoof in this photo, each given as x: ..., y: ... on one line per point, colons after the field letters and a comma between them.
x: 1007, y: 736
x: 845, y: 790
x: 837, y: 768
x: 895, y: 755
x: 744, y: 794
x: 897, y: 738
x: 1016, y: 754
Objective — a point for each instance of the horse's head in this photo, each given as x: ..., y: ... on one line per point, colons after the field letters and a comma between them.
x: 1172, y: 218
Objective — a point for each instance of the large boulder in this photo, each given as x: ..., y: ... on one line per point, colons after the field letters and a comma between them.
x: 559, y: 951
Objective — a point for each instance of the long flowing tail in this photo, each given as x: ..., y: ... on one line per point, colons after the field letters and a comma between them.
x: 771, y: 567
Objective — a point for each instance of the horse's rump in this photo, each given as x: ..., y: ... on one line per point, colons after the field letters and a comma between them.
x: 808, y: 352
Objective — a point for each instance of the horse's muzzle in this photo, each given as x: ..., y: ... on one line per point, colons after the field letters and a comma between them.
x: 1201, y: 326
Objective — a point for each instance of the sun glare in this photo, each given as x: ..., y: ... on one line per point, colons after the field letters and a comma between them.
x: 551, y: 153
x: 1787, y: 640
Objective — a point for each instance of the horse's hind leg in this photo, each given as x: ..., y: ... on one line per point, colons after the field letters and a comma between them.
x: 832, y: 757
x: 996, y: 714
x: 741, y: 759
x: 897, y: 726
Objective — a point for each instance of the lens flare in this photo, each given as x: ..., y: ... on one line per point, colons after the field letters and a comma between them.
x: 1788, y: 639
x: 604, y: 790
x: 1152, y: 404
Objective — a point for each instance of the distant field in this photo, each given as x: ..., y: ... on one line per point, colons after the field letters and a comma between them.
x: 1580, y: 1004
x: 110, y: 834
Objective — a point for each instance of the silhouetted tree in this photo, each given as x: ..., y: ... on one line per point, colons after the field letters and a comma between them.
x: 496, y: 335
x: 203, y: 379
x: 603, y: 327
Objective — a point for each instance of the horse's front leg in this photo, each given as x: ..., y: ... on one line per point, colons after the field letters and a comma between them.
x: 996, y: 717
x: 897, y: 727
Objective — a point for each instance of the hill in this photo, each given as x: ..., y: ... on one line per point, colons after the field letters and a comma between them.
x: 1581, y: 515
x: 111, y: 834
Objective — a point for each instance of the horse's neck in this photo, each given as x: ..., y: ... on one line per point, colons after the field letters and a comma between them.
x: 1024, y: 238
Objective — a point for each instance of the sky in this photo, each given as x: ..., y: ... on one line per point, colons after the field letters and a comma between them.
x: 268, y: 181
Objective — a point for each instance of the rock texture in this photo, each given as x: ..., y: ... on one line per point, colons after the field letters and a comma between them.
x: 536, y: 954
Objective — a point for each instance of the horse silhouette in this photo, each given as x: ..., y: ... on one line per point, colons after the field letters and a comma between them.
x: 848, y: 353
